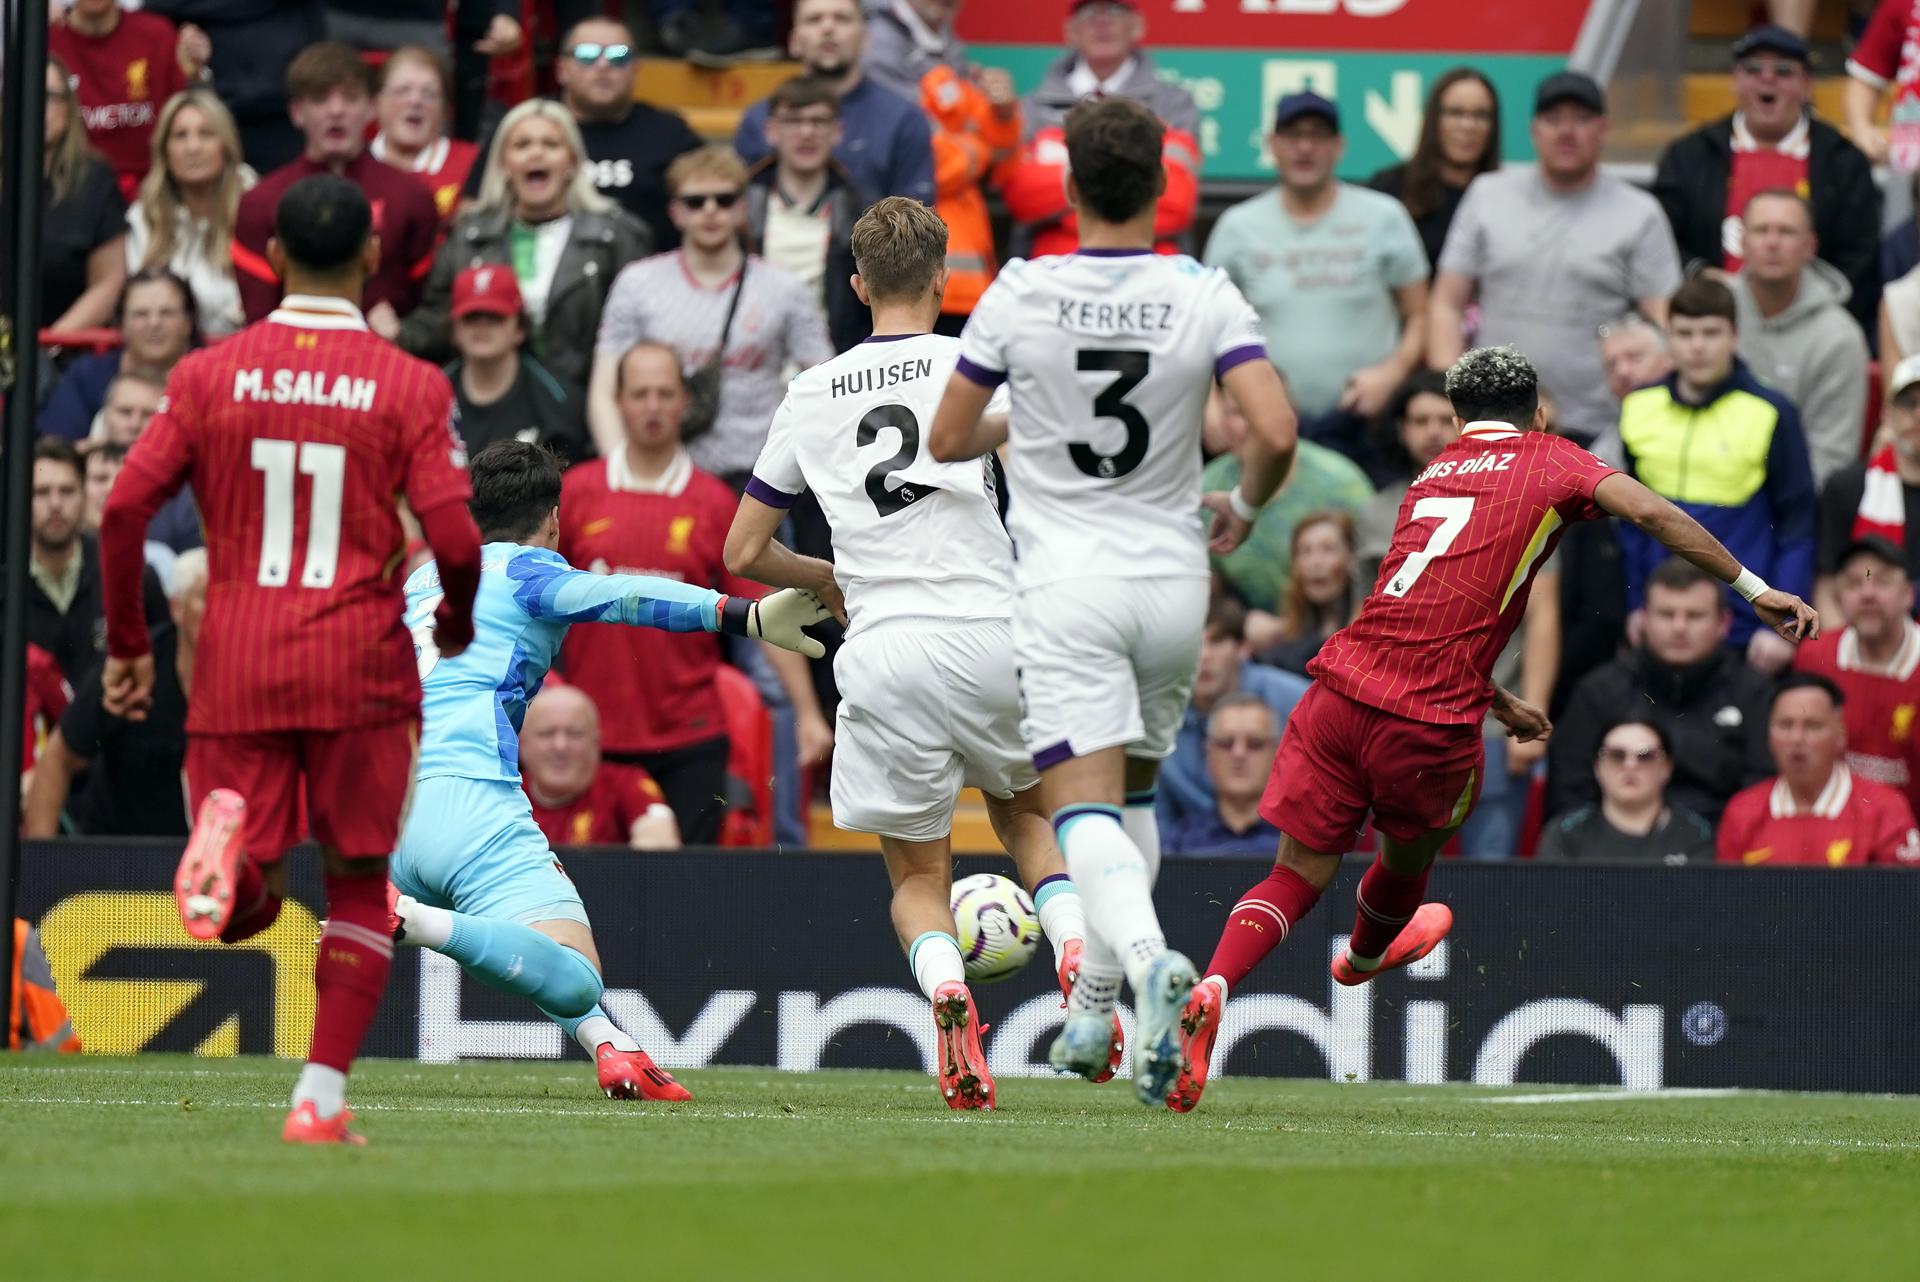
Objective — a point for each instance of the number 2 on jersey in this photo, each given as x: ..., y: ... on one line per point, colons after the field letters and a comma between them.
x: 327, y: 465
x: 1131, y: 368
x: 1452, y: 515
x: 885, y: 501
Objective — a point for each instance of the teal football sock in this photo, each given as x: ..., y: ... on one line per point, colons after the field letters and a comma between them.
x: 519, y: 959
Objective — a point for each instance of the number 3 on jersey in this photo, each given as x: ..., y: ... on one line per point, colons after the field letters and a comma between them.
x: 1131, y: 369
x: 327, y: 465
x: 1452, y: 515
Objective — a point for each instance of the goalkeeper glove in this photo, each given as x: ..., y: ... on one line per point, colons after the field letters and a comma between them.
x: 777, y: 619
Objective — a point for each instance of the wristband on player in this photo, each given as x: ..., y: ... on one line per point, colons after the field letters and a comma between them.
x: 1749, y: 585
x: 735, y: 613
x: 1240, y: 507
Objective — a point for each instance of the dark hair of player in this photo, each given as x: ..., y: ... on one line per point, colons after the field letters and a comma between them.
x: 1113, y: 151
x: 899, y: 247
x: 1226, y: 618
x: 803, y: 92
x: 1494, y: 385
x: 516, y: 484
x: 323, y: 222
x: 1677, y: 574
x: 1700, y: 298
x: 1807, y: 681
x: 51, y: 449
x: 1637, y: 719
x: 322, y: 67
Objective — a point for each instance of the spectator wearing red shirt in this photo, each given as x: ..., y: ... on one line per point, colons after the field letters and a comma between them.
x: 48, y: 695
x: 1817, y: 812
x: 124, y: 65
x: 331, y: 91
x: 1875, y: 660
x: 414, y: 90
x: 1773, y: 140
x: 646, y: 509
x: 578, y: 799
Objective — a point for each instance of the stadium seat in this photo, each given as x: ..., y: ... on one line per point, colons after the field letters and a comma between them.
x: 749, y: 760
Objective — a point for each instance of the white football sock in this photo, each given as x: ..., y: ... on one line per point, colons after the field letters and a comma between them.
x: 423, y: 925
x: 1062, y: 917
x: 597, y: 1030
x: 935, y: 959
x: 1112, y: 877
x: 326, y: 1087
x: 1142, y: 823
x: 1098, y: 987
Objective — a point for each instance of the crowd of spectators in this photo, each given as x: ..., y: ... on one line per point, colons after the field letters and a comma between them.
x: 597, y: 277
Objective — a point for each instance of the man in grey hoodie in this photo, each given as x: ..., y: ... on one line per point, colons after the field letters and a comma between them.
x: 1796, y: 332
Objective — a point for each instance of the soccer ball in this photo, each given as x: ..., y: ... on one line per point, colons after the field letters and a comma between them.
x: 998, y: 927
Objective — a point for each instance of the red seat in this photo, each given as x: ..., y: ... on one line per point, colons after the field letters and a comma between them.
x: 749, y: 759
x: 91, y: 340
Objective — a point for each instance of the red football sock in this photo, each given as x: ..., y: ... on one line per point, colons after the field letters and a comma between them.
x: 1260, y: 922
x: 255, y: 909
x: 356, y: 949
x: 1387, y: 900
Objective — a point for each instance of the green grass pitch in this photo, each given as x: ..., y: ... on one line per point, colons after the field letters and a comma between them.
x: 164, y: 1167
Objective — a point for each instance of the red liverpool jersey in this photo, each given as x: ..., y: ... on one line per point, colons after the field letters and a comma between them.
x: 1475, y: 527
x: 121, y: 80
x: 605, y: 813
x: 1881, y: 701
x: 1852, y: 821
x: 655, y: 690
x: 298, y: 434
x: 403, y: 218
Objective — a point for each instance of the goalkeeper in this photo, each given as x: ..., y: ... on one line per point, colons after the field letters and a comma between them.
x: 473, y: 877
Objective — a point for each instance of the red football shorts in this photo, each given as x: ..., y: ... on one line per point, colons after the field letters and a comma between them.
x: 1339, y: 759
x: 358, y: 783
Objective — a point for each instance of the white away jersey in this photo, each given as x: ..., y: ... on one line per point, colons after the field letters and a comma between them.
x: 911, y: 536
x: 1109, y: 355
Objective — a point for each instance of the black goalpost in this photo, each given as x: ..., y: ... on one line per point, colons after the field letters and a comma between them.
x: 23, y: 60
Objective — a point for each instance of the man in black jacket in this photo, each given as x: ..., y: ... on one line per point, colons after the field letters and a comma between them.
x: 1711, y: 704
x: 1773, y: 141
x: 64, y: 615
x: 253, y: 41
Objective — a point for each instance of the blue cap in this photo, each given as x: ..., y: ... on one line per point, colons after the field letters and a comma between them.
x: 1771, y: 39
x: 1305, y: 103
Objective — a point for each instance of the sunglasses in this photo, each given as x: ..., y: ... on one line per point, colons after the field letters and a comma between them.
x: 1639, y: 756
x: 717, y: 199
x: 587, y: 54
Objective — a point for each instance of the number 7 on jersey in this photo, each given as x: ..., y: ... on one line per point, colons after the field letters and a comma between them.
x: 1452, y: 513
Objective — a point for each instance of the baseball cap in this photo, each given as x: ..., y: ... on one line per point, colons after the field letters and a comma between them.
x: 1876, y: 545
x: 1904, y: 375
x: 1771, y: 39
x: 489, y: 289
x: 1569, y: 86
x: 1305, y: 103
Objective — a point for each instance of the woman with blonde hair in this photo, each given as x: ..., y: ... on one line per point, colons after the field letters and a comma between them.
x: 1320, y: 596
x: 538, y: 215
x: 83, y: 223
x: 183, y: 216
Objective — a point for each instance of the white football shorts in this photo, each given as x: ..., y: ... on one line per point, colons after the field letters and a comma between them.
x: 1106, y: 662
x: 927, y: 707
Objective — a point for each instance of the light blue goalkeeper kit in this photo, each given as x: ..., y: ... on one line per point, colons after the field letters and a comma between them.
x: 471, y: 844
